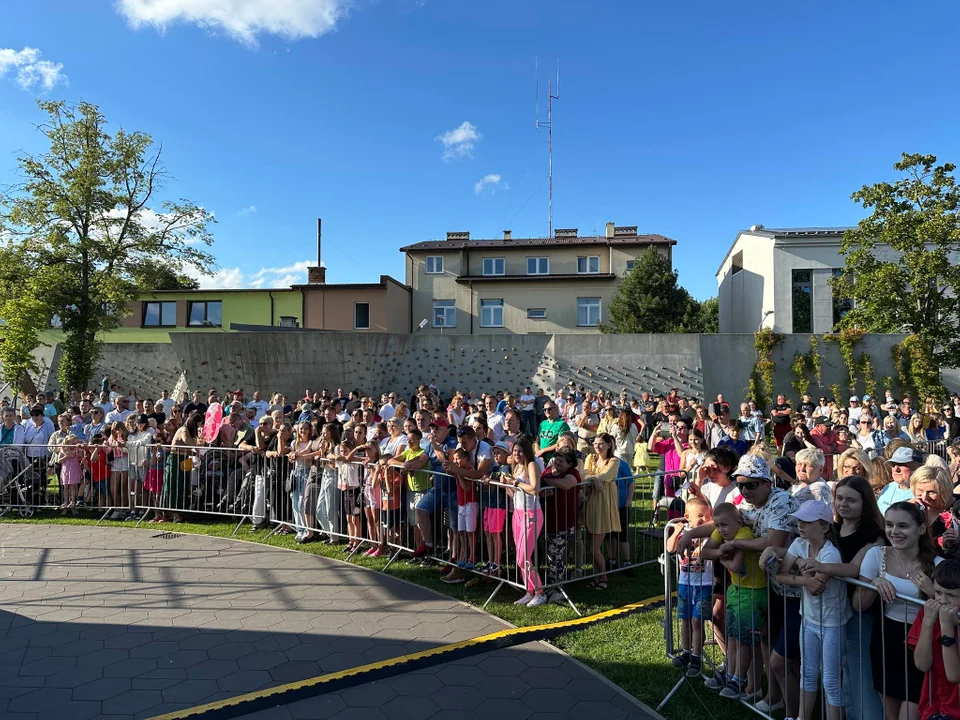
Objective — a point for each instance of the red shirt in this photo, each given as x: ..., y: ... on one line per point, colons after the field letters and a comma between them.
x: 938, y: 694
x: 560, y: 506
x: 468, y: 494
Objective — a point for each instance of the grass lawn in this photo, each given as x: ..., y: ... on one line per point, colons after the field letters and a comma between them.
x: 629, y: 651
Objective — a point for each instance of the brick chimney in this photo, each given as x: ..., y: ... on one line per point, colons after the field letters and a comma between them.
x: 610, y: 227
x: 508, y: 235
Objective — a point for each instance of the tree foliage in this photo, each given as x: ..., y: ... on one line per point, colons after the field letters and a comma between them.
x: 81, y: 240
x: 650, y: 300
x: 901, y: 268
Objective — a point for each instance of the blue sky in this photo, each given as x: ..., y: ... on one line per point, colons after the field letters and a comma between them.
x: 689, y: 119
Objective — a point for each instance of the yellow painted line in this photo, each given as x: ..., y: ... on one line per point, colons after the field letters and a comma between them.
x: 279, y: 690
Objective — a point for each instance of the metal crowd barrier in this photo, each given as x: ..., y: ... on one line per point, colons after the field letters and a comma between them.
x: 843, y: 668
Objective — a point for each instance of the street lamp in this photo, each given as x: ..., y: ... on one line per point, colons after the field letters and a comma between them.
x: 767, y: 314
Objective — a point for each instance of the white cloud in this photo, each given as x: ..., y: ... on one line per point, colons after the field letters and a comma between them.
x: 267, y: 277
x: 458, y: 143
x: 31, y: 70
x: 250, y: 210
x: 489, y: 184
x: 244, y: 20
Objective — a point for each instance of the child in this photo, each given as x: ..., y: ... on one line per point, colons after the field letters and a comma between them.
x: 694, y: 589
x: 733, y: 439
x: 119, y: 473
x: 495, y: 510
x: 153, y: 482
x: 746, y: 599
x: 99, y: 467
x: 560, y: 502
x: 934, y: 639
x: 348, y: 482
x: 825, y: 607
x: 468, y: 508
x: 369, y: 454
x: 70, y: 472
x: 391, y: 500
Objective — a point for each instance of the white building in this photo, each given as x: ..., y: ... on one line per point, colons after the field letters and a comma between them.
x: 780, y: 278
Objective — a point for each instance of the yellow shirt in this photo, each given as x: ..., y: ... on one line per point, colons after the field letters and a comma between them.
x: 418, y: 480
x: 752, y: 576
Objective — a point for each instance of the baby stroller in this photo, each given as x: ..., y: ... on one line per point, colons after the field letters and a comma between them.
x: 18, y: 483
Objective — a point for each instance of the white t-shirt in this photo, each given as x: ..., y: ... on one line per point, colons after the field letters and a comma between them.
x: 715, y: 494
x: 693, y: 570
x: 818, y: 490
x: 834, y: 603
x: 387, y: 411
x: 496, y: 423
x: 105, y: 406
x: 899, y: 610
x: 526, y: 402
x: 853, y: 414
x: 261, y: 406
x: 118, y: 416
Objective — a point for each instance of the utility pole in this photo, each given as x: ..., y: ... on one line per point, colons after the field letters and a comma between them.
x: 549, y: 126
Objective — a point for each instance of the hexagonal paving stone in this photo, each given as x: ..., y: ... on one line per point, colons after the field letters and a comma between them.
x: 190, y: 691
x: 318, y: 708
x: 544, y: 678
x: 292, y: 671
x: 182, y: 659
x: 549, y: 700
x: 132, y: 702
x: 369, y: 695
x: 39, y: 700
x: 213, y: 669
x: 592, y: 709
x: 130, y: 668
x: 231, y: 650
x: 49, y: 666
x: 504, y: 687
x: 245, y: 681
x: 261, y: 660
x: 101, y: 689
x: 459, y: 675
x: 410, y: 708
x: 415, y: 684
x: 510, y: 667
x: 504, y: 709
x: 458, y: 698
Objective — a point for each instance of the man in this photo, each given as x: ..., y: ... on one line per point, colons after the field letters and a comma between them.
x: 195, y: 405
x: 353, y: 401
x: 512, y: 428
x: 340, y: 400
x: 780, y: 416
x: 903, y: 463
x: 853, y: 412
x: 538, y: 405
x: 528, y: 410
x: 151, y: 410
x: 166, y: 402
x: 647, y: 409
x: 719, y: 405
x: 587, y: 422
x: 388, y: 409
x: 550, y: 431
x: 105, y: 403
x: 495, y: 421
x: 12, y: 432
x: 905, y: 411
x: 85, y: 408
x: 443, y: 494
x: 36, y: 435
x: 121, y: 412
x: 481, y: 458
x: 768, y: 512
x: 330, y: 416
x: 826, y: 440
x: 687, y: 411
x: 950, y: 423
x: 751, y: 424
x: 96, y: 425
x: 672, y: 401
x: 807, y: 405
x: 259, y: 405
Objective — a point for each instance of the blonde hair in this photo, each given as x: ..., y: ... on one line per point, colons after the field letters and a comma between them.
x: 860, y: 456
x: 939, y: 477
x: 937, y: 462
x: 762, y: 450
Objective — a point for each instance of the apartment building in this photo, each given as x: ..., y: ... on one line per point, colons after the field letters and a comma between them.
x: 561, y: 284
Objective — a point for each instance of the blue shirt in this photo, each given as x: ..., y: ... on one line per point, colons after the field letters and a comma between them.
x: 739, y: 445
x: 624, y: 479
x: 444, y: 483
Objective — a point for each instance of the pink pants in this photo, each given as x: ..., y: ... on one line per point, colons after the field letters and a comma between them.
x: 526, y: 530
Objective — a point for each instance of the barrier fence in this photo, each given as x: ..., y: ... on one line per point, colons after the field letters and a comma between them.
x: 858, y: 661
x: 481, y: 531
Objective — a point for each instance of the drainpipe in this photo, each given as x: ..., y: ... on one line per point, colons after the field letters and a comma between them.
x: 471, y: 307
x: 271, y: 307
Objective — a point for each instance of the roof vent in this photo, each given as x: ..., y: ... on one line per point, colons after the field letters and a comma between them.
x: 507, y: 235
x: 565, y: 232
x: 754, y: 228
x: 625, y: 231
x: 458, y: 236
x: 610, y: 227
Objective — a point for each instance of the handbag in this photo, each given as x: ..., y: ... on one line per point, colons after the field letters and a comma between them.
x: 186, y: 464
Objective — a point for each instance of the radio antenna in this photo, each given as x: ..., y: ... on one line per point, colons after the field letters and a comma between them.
x: 549, y: 126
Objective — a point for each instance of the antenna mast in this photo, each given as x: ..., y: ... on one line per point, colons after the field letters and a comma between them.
x: 549, y: 126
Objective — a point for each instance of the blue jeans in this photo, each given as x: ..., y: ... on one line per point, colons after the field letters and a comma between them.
x: 297, y: 486
x: 328, y: 505
x: 821, y: 654
x: 860, y: 699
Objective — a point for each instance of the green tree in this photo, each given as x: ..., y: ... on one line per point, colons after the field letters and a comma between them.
x: 900, y: 262
x: 649, y: 300
x: 709, y: 316
x: 81, y: 240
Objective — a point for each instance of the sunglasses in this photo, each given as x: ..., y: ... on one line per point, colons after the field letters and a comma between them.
x: 749, y: 485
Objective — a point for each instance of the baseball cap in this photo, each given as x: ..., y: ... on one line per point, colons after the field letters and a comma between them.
x: 854, y: 398
x: 906, y: 456
x: 752, y: 466
x: 867, y: 398
x: 440, y: 422
x: 143, y: 420
x: 811, y: 510
x: 821, y: 420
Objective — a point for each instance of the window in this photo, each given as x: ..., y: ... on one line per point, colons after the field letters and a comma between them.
x: 588, y: 312
x: 444, y: 314
x: 802, y: 301
x: 361, y: 316
x: 736, y: 263
x: 841, y: 306
x: 589, y: 264
x: 289, y: 321
x: 434, y: 264
x: 491, y: 313
x: 538, y: 266
x: 493, y: 266
x: 630, y: 264
x: 209, y: 313
x: 537, y: 313
x: 160, y: 314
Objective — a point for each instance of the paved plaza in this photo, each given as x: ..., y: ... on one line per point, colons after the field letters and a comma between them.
x: 131, y: 623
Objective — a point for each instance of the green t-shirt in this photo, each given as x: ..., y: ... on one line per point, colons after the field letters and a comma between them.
x: 550, y: 432
x: 418, y: 480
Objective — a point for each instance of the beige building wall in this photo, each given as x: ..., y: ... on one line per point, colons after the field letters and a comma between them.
x: 328, y: 307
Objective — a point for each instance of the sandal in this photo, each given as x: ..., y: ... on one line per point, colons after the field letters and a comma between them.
x: 596, y: 585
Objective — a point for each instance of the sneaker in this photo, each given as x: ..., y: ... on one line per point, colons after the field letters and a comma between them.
x: 695, y: 667
x: 453, y: 577
x: 752, y: 697
x: 768, y: 709
x: 538, y: 600
x: 423, y: 550
x: 717, y: 681
x: 525, y: 599
x: 468, y: 565
x: 376, y: 552
x: 481, y: 567
x: 493, y: 570
x: 117, y: 515
x: 472, y: 582
x: 447, y: 569
x: 133, y: 515
x: 462, y: 564
x: 733, y: 689
x: 682, y: 660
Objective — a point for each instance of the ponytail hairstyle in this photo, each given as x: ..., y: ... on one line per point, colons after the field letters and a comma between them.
x: 925, y: 543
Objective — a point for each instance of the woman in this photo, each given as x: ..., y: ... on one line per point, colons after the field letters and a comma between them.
x: 902, y: 567
x: 853, y: 462
x: 602, y: 516
x: 278, y: 470
x: 702, y: 423
x: 625, y: 434
x: 569, y: 440
x: 933, y: 493
x: 402, y: 412
x: 881, y: 474
x: 561, y: 510
x: 139, y: 450
x: 858, y: 527
x: 796, y: 440
x: 456, y: 413
x: 527, y: 518
x: 864, y: 437
x: 914, y: 429
x: 329, y: 503
x: 301, y: 455
x: 176, y: 473
x: 396, y: 442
